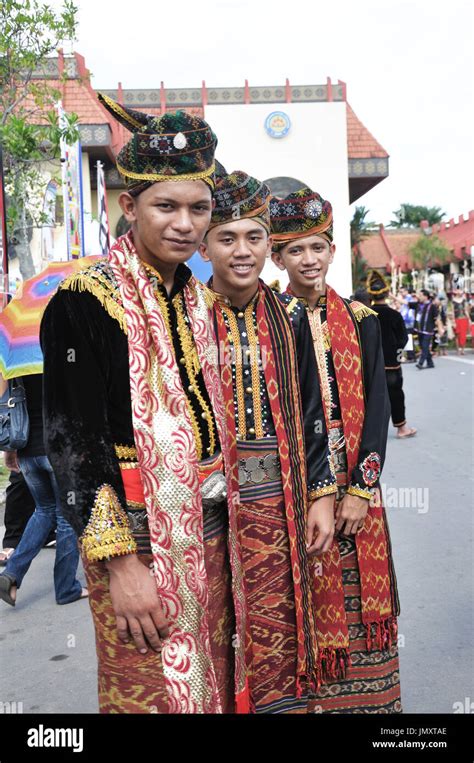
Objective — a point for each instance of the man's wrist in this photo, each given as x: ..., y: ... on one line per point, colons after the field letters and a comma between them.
x: 118, y: 564
x: 361, y: 492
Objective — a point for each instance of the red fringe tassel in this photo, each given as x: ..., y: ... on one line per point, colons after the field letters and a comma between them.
x: 382, y: 634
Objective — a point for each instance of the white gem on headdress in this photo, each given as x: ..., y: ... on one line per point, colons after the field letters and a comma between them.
x: 179, y: 140
x: 313, y: 208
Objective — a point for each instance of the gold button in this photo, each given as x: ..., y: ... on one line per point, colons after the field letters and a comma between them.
x: 240, y: 314
x: 190, y: 388
x: 249, y: 390
x: 208, y: 450
x: 204, y: 415
x: 251, y: 430
x: 182, y: 361
x: 248, y: 352
x: 231, y: 338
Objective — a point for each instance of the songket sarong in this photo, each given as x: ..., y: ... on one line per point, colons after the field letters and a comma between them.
x: 372, y: 680
x: 271, y: 655
x: 130, y: 682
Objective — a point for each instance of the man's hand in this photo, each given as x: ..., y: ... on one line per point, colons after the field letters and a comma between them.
x: 320, y: 525
x: 352, y: 512
x: 11, y: 460
x: 136, y: 603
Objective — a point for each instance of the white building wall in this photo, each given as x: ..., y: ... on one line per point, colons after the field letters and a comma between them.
x: 314, y: 152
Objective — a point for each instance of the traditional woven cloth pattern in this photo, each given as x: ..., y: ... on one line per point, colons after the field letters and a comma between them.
x: 138, y: 685
x: 239, y: 196
x: 303, y: 213
x: 263, y: 535
x: 372, y: 681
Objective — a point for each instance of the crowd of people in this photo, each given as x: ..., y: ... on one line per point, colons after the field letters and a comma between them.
x: 225, y: 438
x: 445, y: 320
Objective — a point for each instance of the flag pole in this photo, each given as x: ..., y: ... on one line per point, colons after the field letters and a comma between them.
x: 4, y: 286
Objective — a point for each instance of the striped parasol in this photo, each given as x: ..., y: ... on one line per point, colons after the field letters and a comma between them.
x: 20, y: 351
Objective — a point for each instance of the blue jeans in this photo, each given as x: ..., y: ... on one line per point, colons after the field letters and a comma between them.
x: 425, y: 346
x: 39, y: 477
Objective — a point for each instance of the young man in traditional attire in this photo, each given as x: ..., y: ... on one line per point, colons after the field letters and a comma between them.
x: 265, y: 346
x: 394, y: 338
x: 137, y: 435
x: 356, y: 599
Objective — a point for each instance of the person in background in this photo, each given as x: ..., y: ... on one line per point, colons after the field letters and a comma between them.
x: 19, y: 506
x: 39, y: 476
x: 425, y: 325
x: 362, y: 296
x: 441, y: 327
x: 408, y: 310
x: 471, y: 318
x: 461, y: 317
x: 394, y: 339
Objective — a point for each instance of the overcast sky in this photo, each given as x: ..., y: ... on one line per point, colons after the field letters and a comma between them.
x: 408, y: 68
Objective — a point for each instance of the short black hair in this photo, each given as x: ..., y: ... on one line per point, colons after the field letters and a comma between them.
x: 361, y: 295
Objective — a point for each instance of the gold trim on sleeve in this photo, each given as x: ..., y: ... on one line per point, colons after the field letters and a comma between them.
x: 320, y: 491
x: 107, y: 533
x: 125, y: 451
x: 353, y: 490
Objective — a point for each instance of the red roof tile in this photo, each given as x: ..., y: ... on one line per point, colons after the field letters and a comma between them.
x: 380, y: 248
x: 361, y: 144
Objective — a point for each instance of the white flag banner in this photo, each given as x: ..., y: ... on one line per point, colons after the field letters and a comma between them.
x: 71, y: 164
x: 49, y: 221
x: 102, y: 211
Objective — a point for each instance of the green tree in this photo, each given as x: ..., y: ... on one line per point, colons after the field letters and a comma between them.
x: 30, y: 133
x: 411, y: 215
x: 429, y: 251
x: 360, y: 229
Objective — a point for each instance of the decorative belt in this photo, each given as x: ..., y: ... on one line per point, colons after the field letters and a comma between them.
x: 255, y: 469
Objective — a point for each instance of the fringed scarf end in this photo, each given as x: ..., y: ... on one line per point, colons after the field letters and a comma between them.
x: 332, y: 665
x: 382, y: 634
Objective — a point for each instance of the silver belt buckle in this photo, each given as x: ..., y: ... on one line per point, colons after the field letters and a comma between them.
x: 213, y: 490
x: 254, y: 469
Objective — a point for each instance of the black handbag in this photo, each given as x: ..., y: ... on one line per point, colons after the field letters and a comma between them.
x: 14, y: 419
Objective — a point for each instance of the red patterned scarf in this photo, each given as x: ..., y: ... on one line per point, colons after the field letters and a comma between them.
x: 169, y: 470
x: 277, y: 346
x: 378, y: 590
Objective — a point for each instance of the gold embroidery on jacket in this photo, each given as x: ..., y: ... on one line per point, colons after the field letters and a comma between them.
x: 107, y: 532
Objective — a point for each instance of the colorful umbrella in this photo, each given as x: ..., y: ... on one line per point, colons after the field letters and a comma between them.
x: 20, y: 351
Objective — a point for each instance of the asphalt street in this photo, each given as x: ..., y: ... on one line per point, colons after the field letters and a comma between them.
x: 48, y: 661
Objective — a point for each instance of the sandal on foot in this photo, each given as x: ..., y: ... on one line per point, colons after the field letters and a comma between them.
x: 7, y: 582
x: 5, y: 555
x: 411, y: 433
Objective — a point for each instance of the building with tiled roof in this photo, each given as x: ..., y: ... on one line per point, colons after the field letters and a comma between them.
x: 388, y: 250
x: 289, y: 135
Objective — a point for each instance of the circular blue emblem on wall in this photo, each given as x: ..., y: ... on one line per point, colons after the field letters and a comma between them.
x: 277, y: 124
